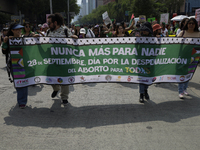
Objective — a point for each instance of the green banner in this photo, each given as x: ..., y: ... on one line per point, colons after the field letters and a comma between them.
x: 144, y: 60
x: 151, y: 19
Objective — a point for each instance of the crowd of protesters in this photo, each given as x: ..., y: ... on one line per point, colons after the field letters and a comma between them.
x: 55, y: 28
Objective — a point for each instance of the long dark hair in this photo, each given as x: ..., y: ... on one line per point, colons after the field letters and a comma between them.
x: 23, y: 30
x: 10, y: 33
x: 156, y: 33
x: 183, y: 23
x: 195, y: 22
x: 57, y: 17
x: 76, y: 31
x: 117, y: 27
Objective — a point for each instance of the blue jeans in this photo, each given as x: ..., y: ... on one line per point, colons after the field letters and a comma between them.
x: 142, y: 88
x: 22, y: 94
x: 182, y: 87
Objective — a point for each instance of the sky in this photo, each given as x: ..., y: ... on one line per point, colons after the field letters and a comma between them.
x: 78, y: 1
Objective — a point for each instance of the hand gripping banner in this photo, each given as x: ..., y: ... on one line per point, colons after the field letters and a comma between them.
x: 145, y: 60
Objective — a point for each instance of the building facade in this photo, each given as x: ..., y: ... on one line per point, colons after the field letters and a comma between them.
x: 93, y: 4
x: 107, y: 1
x: 83, y: 10
x: 191, y: 6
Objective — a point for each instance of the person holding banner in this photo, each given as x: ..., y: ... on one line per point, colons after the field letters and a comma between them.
x: 14, y: 31
x: 120, y: 31
x: 26, y: 31
x: 146, y: 31
x: 55, y: 22
x: 157, y: 31
x: 4, y: 34
x: 77, y: 31
x: 126, y: 29
x: 164, y: 30
x: 183, y: 22
x: 96, y: 31
x: 189, y: 30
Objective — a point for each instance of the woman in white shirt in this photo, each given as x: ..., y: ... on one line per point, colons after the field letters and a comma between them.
x: 189, y: 30
x: 183, y: 22
x: 164, y: 30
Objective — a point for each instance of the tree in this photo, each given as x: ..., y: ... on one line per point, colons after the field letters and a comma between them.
x: 143, y: 7
x: 4, y: 18
x: 37, y: 9
x: 116, y: 10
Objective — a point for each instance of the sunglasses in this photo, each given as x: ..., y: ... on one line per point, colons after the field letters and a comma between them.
x: 27, y: 26
x: 192, y: 23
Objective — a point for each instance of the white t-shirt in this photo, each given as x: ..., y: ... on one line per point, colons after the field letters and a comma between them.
x: 164, y: 32
x: 178, y: 31
x: 90, y: 34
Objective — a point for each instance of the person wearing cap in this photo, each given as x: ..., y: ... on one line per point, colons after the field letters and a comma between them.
x: 164, y: 30
x: 77, y: 31
x: 82, y: 33
x: 147, y: 31
x: 44, y: 27
x: 157, y: 31
x: 96, y: 31
x: 14, y: 31
x: 4, y: 33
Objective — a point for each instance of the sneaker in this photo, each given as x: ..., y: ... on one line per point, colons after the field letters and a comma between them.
x: 181, y: 96
x: 186, y: 93
x: 141, y: 99
x: 22, y: 106
x: 146, y: 95
x: 65, y: 102
x: 54, y: 94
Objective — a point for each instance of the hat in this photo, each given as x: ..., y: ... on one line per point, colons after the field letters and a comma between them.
x: 156, y: 27
x: 163, y: 23
x: 77, y: 25
x: 45, y: 25
x: 82, y: 31
x: 146, y: 27
x: 96, y: 26
x: 39, y: 25
x: 5, y: 29
x: 17, y: 26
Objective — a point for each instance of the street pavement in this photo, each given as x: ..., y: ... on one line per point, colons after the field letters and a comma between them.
x: 103, y: 116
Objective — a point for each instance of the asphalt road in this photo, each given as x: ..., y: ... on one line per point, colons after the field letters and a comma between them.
x: 103, y: 116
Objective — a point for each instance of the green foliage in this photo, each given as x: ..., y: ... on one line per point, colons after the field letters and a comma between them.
x: 116, y: 10
x: 143, y: 7
x: 4, y: 18
x: 37, y: 9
